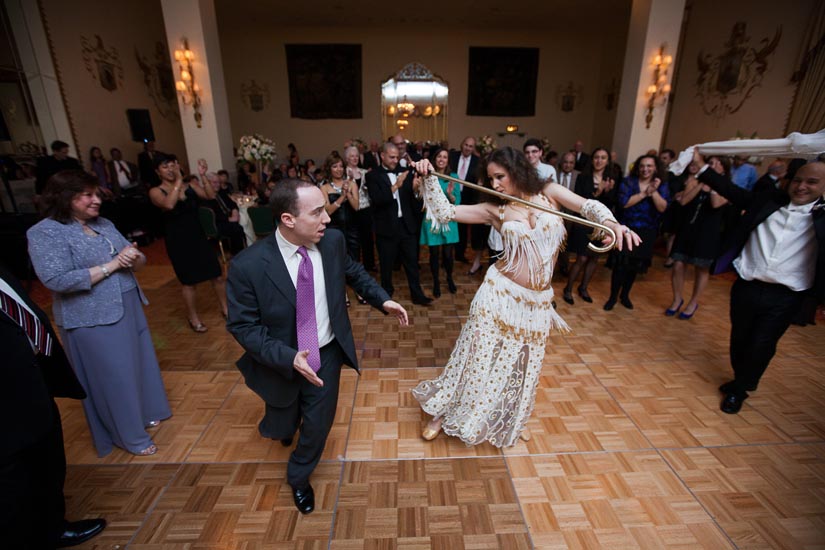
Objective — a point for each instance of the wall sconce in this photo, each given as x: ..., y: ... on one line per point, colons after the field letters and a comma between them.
x: 187, y: 87
x: 658, y: 92
x: 511, y: 128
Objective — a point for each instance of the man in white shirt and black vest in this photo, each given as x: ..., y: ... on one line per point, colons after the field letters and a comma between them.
x: 780, y: 241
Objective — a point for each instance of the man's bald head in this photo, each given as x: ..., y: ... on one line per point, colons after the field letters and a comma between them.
x: 808, y: 184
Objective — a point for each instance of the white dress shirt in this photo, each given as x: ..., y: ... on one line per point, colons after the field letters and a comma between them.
x: 566, y: 179
x: 4, y: 286
x: 293, y: 260
x: 782, y: 249
x: 395, y: 194
x: 122, y: 170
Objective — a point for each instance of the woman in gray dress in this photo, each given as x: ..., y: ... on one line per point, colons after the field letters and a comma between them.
x: 88, y: 265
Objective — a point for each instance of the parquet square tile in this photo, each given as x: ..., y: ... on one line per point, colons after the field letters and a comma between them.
x: 194, y: 397
x: 595, y: 499
x: 123, y: 494
x: 233, y: 436
x: 426, y: 503
x: 387, y: 420
x: 762, y: 496
x: 239, y: 506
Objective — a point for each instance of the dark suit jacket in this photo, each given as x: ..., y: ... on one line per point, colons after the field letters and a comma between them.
x: 49, y: 166
x: 385, y: 208
x: 758, y: 207
x: 765, y: 183
x: 262, y: 312
x: 472, y: 170
x: 370, y: 162
x: 29, y: 383
x: 146, y: 167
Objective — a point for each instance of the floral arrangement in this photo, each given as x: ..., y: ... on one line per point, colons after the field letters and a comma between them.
x: 256, y: 148
x: 545, y: 144
x: 485, y: 145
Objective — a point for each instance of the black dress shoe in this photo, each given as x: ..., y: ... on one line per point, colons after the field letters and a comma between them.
x: 625, y: 301
x: 304, y: 499
x: 608, y: 305
x: 728, y: 387
x: 732, y: 403
x: 422, y: 301
x: 78, y: 532
x: 286, y: 442
x: 585, y: 295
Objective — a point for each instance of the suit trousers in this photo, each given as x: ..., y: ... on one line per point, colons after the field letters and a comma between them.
x: 760, y: 313
x: 405, y: 246
x: 314, y: 411
x: 31, y: 492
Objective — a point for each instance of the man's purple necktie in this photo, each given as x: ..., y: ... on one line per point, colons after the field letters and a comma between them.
x: 305, y: 311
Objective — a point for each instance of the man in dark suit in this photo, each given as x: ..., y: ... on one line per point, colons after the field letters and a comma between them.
x: 772, y: 179
x: 582, y: 158
x: 32, y: 459
x: 287, y: 308
x: 52, y: 164
x: 372, y: 158
x: 465, y: 164
x: 780, y: 240
x: 397, y: 215
x: 146, y: 165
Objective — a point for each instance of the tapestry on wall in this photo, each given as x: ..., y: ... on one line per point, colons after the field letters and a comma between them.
x: 159, y: 81
x: 102, y: 63
x: 324, y: 80
x: 726, y: 80
x: 502, y: 81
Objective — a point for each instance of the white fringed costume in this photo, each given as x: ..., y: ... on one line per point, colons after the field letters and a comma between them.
x: 488, y: 387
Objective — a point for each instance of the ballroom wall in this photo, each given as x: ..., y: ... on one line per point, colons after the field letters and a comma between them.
x: 709, y: 27
x: 98, y: 115
x: 588, y: 58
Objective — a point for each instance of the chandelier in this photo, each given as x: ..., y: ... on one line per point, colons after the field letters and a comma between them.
x: 405, y: 108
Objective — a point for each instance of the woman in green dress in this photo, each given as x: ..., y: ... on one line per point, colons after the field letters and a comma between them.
x: 440, y: 244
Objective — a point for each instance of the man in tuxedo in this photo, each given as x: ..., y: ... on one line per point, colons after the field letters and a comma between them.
x: 780, y: 240
x: 287, y: 309
x: 582, y: 158
x: 146, y: 165
x: 32, y: 459
x: 777, y: 170
x: 465, y: 164
x: 52, y: 164
x: 397, y: 215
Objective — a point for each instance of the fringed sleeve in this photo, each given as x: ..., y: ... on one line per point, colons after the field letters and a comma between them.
x: 595, y: 211
x: 439, y: 210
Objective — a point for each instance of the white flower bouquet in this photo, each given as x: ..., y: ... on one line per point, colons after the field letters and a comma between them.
x: 256, y: 148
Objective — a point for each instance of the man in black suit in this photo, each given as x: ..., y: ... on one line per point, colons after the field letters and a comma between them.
x: 372, y: 158
x: 465, y: 164
x: 772, y: 179
x: 781, y: 266
x: 582, y: 158
x: 52, y: 164
x: 32, y: 459
x: 268, y: 315
x: 146, y: 165
x: 397, y: 215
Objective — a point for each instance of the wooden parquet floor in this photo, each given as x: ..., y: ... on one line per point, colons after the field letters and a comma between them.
x: 629, y: 448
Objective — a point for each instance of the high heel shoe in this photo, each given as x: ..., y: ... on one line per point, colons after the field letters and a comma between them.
x: 525, y: 434
x: 625, y: 301
x: 431, y: 432
x: 610, y: 304
x: 671, y: 312
x: 567, y: 296
x: 148, y: 451
x: 451, y: 286
x: 153, y: 424
x: 686, y: 316
x: 474, y: 271
x: 585, y: 295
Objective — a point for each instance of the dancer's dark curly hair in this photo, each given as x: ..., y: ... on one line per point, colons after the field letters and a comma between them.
x: 522, y: 174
